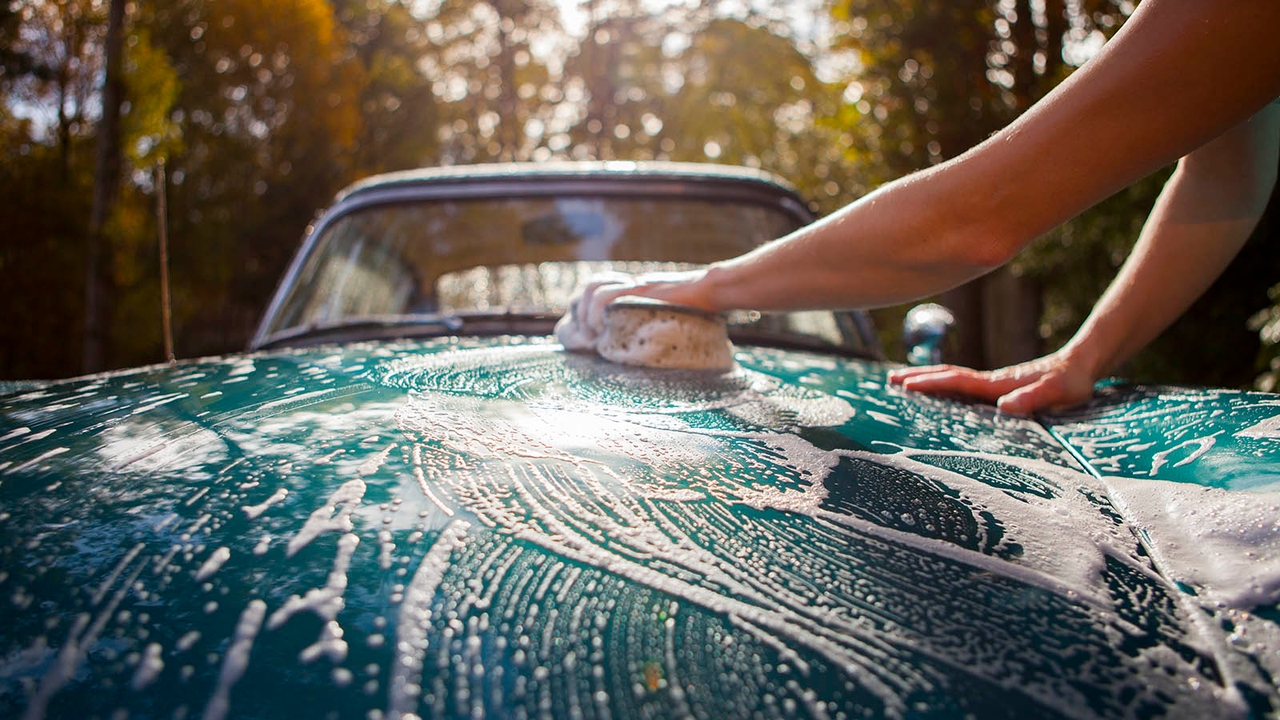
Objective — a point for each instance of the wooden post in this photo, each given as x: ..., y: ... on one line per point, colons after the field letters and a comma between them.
x: 162, y: 224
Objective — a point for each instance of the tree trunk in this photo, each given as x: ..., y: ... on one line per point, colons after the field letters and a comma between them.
x: 508, y: 121
x: 1011, y: 319
x: 106, y: 187
x: 965, y: 302
x: 1024, y: 73
x: 997, y: 321
x: 1056, y: 27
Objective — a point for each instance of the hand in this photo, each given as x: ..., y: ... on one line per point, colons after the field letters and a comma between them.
x: 680, y: 288
x: 1052, y: 382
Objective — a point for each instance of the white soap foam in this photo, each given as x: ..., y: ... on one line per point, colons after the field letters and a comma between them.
x: 574, y: 334
x: 326, y: 601
x: 236, y: 660
x: 243, y: 366
x: 330, y: 644
x: 213, y: 563
x: 334, y: 515
x: 651, y: 334
x: 415, y: 620
x: 1268, y: 429
x: 149, y: 667
x: 665, y: 338
x: 33, y: 462
x: 520, y: 480
x: 1224, y: 544
x: 374, y: 463
x: 80, y: 640
x: 254, y: 511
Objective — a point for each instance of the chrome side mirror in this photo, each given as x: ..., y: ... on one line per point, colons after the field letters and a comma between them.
x: 924, y: 332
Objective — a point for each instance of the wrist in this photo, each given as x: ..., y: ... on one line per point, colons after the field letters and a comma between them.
x: 1086, y: 358
x: 710, y: 289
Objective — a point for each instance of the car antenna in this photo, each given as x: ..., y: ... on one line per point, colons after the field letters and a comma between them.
x: 162, y: 224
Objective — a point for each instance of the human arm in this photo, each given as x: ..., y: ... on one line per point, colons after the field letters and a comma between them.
x: 1204, y: 214
x: 1153, y: 93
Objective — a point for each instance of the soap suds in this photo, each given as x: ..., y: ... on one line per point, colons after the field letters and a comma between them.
x: 236, y: 660
x: 213, y: 563
x: 254, y: 511
x: 333, y: 516
x: 326, y: 601
x: 1268, y: 429
x: 1225, y: 544
x: 149, y: 667
x: 531, y: 473
x: 374, y: 463
x: 80, y: 640
x: 415, y: 622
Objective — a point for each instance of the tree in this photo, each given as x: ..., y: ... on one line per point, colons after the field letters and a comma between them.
x: 106, y: 187
x: 15, y: 62
x: 398, y: 110
x: 268, y: 114
x: 496, y: 93
x: 58, y: 53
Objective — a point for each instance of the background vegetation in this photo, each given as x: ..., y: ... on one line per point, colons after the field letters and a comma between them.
x: 259, y: 110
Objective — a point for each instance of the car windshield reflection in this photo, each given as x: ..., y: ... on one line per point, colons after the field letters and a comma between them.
x: 422, y: 265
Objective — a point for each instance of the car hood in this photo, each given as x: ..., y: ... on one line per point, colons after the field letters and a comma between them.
x: 463, y: 527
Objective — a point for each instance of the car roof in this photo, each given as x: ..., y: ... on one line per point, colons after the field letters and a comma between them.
x: 566, y: 170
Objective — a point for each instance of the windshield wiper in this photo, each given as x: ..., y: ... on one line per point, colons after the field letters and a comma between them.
x: 389, y: 327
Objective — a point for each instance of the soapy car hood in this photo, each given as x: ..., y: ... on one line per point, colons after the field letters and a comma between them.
x: 497, y: 527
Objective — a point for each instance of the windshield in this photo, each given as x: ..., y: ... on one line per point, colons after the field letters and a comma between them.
x: 410, y: 261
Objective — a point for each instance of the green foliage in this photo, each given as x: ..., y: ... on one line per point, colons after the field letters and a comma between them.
x: 1076, y: 262
x: 1267, y: 324
x: 920, y: 93
x: 1221, y: 340
x: 152, y: 87
x: 268, y: 116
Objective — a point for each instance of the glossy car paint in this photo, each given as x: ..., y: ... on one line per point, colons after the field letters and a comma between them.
x: 473, y: 528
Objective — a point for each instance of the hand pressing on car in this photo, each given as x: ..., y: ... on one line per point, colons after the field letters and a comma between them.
x: 1052, y: 382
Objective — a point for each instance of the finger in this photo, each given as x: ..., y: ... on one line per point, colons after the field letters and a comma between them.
x: 1027, y: 399
x: 955, y: 381
x: 981, y: 385
x: 602, y: 298
x: 897, y: 375
x: 1051, y: 392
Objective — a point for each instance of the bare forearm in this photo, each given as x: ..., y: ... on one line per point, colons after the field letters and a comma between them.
x: 1153, y: 94
x: 1205, y: 214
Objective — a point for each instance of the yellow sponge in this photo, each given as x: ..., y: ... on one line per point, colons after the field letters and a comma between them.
x: 654, y: 334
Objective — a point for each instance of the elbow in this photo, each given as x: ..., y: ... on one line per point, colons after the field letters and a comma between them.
x: 1239, y: 167
x: 1245, y: 186
x: 985, y: 244
x: 982, y: 233
x: 991, y: 250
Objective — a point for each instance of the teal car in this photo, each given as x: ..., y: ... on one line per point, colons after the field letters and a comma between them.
x: 406, y: 500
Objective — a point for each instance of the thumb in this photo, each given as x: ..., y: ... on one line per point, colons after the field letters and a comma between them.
x: 1045, y: 392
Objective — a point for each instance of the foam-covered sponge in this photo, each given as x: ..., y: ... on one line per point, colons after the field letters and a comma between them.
x: 654, y: 334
